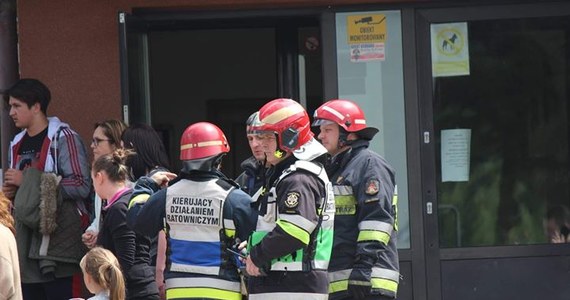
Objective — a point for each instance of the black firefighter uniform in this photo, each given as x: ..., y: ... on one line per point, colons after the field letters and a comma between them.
x: 293, y: 239
x: 365, y: 227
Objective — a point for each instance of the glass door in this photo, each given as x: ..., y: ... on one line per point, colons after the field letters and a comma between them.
x: 496, y: 120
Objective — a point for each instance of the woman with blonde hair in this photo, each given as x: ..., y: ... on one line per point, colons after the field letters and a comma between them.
x: 102, y: 275
x: 9, y: 266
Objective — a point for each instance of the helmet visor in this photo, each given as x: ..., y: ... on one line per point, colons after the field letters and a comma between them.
x: 319, y: 122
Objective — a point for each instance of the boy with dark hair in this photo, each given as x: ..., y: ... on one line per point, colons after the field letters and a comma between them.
x: 49, y: 180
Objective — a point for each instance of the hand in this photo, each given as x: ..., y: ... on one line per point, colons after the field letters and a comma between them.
x: 161, y: 286
x: 242, y: 249
x: 89, y: 238
x: 13, y: 177
x: 162, y: 178
x: 251, y: 268
x: 359, y: 285
x: 558, y: 238
x: 9, y: 191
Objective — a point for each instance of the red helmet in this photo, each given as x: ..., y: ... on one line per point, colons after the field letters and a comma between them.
x: 347, y: 115
x: 202, y: 140
x: 289, y: 120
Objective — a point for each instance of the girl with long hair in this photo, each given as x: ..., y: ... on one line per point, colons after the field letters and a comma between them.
x: 102, y: 275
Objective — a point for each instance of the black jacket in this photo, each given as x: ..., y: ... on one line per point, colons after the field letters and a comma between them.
x: 132, y: 250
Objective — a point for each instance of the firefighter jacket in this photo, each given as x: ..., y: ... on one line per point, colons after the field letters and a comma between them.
x: 204, y: 213
x: 253, y: 176
x: 365, y: 221
x: 293, y: 238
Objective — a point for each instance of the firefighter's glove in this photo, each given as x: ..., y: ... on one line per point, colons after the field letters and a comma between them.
x: 359, y: 284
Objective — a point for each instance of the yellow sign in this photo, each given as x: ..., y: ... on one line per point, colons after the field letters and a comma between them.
x: 366, y: 29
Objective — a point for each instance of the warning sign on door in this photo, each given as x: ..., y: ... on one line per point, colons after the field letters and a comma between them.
x: 366, y: 37
x: 366, y: 29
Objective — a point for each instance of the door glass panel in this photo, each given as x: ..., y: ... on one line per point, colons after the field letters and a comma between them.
x: 506, y: 168
x: 370, y: 72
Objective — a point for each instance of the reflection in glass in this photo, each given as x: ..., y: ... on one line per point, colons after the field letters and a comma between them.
x: 515, y: 102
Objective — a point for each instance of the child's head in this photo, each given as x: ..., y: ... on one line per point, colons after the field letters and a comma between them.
x: 101, y: 271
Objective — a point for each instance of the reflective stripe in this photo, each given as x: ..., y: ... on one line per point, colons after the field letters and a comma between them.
x: 299, y: 221
x: 210, y: 293
x: 338, y: 286
x: 321, y: 264
x: 229, y: 224
x: 339, y: 275
x: 385, y: 273
x: 360, y: 121
x: 138, y: 199
x: 294, y: 231
x: 282, y: 114
x: 381, y: 279
x: 288, y: 296
x: 376, y: 225
x: 202, y: 144
x: 342, y: 190
x: 385, y: 284
x: 345, y: 205
x: 334, y: 112
x: 311, y: 167
x: 230, y: 233
x: 395, y: 206
x: 194, y: 269
x: 196, y: 234
x: 287, y: 266
x: 377, y: 283
x: 229, y: 228
x: 370, y: 235
x: 202, y: 282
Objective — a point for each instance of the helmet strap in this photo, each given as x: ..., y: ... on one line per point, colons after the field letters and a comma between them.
x: 342, y: 138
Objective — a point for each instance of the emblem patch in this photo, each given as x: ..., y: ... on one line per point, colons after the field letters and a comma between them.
x: 372, y: 187
x: 292, y: 200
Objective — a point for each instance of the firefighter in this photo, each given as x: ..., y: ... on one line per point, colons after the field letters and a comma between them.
x: 364, y: 262
x: 252, y: 179
x: 204, y: 213
x: 290, y: 249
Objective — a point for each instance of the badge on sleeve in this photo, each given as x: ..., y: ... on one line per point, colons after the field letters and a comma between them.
x: 292, y: 199
x: 372, y: 187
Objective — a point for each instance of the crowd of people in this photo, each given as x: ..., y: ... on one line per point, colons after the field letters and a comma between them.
x: 311, y: 216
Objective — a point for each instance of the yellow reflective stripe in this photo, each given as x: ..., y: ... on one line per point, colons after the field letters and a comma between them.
x: 371, y: 235
x: 229, y: 228
x: 345, y: 205
x: 377, y: 283
x: 294, y: 231
x: 299, y: 221
x: 385, y: 284
x: 138, y: 199
x: 185, y: 293
x: 230, y: 232
x: 338, y: 286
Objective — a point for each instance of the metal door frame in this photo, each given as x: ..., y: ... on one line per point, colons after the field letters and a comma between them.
x: 433, y: 254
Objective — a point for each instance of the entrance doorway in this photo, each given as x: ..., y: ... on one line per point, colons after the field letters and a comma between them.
x: 220, y: 71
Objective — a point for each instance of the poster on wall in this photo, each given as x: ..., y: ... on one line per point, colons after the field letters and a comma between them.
x: 455, y: 154
x: 367, y: 37
x: 449, y: 49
